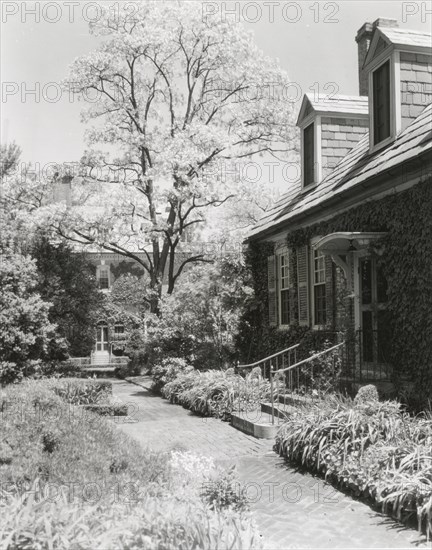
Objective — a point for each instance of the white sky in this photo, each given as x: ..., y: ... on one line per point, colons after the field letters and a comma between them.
x: 312, y: 49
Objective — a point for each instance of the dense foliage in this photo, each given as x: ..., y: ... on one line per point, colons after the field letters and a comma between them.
x: 67, y: 280
x: 74, y: 480
x: 27, y: 337
x: 368, y: 447
x: 200, y: 319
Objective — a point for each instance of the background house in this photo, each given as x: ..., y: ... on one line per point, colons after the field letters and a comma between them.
x: 346, y: 253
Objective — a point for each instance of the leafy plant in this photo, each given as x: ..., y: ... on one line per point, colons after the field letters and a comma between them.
x: 81, y: 392
x: 371, y: 448
x: 226, y: 492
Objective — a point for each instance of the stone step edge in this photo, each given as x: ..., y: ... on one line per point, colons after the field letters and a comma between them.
x: 260, y: 430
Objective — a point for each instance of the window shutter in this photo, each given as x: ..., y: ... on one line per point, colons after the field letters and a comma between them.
x: 271, y: 287
x: 303, y: 287
x: 329, y: 292
x: 293, y: 290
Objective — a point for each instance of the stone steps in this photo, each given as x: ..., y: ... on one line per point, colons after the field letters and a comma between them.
x: 259, y: 422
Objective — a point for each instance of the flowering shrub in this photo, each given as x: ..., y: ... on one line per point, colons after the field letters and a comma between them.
x: 371, y: 448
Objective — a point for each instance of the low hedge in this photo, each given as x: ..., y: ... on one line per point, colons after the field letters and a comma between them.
x: 369, y: 448
x: 109, y: 409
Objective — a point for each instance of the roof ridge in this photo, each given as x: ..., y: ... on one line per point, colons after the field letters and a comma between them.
x: 405, y: 31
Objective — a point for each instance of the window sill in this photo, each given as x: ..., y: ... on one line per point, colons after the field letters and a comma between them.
x: 308, y: 188
x: 378, y: 146
x: 319, y: 327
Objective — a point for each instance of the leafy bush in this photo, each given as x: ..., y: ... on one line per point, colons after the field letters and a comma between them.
x: 373, y: 449
x: 27, y: 336
x: 130, y: 369
x: 366, y: 394
x: 226, y: 492
x: 167, y: 370
x: 200, y: 318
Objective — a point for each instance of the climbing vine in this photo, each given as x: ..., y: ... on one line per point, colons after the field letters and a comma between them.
x: 406, y: 261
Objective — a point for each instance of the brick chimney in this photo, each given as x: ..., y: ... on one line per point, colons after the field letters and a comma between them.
x: 363, y: 39
x: 63, y: 189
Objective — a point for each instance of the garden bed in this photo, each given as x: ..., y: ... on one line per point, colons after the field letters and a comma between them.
x: 77, y: 481
x: 211, y: 393
x: 369, y: 448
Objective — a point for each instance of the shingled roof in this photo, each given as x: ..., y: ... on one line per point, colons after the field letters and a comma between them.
x: 353, y: 171
x: 338, y: 104
x: 405, y: 37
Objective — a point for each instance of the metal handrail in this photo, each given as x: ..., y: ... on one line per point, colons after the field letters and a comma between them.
x: 291, y: 367
x: 308, y: 359
x: 267, y: 358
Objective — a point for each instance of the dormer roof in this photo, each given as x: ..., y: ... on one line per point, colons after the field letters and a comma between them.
x: 408, y: 40
x: 353, y: 174
x: 351, y: 106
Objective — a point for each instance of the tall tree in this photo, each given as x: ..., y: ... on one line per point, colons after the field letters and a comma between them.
x: 10, y: 154
x: 181, y: 97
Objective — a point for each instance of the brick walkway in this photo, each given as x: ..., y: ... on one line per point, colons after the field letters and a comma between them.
x: 292, y: 510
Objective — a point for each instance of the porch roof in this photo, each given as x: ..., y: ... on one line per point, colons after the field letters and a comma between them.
x: 346, y: 241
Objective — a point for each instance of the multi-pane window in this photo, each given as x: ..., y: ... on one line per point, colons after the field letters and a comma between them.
x: 319, y: 288
x: 118, y: 329
x: 308, y: 155
x: 284, y: 289
x: 103, y: 277
x: 381, y: 103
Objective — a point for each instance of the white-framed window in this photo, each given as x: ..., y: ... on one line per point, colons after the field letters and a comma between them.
x: 103, y: 277
x: 283, y: 278
x: 319, y: 303
x: 384, y: 101
x: 311, y: 168
x: 118, y: 329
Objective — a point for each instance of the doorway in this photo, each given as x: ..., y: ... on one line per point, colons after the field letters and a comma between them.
x: 102, y: 338
x: 372, y: 317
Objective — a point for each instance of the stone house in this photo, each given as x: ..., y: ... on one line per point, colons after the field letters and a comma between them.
x: 347, y: 249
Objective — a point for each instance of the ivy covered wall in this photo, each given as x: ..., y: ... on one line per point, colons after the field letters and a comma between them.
x: 406, y: 217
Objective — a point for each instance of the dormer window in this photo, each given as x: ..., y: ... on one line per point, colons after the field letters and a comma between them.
x: 381, y: 103
x: 308, y: 155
